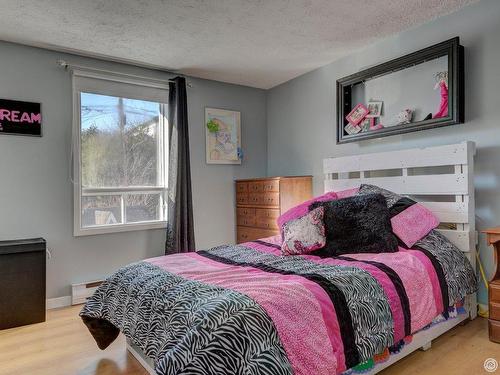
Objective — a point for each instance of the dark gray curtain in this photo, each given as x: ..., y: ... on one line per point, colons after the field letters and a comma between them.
x: 180, y: 226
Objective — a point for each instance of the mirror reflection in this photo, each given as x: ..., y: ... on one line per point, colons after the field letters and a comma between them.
x: 410, y: 95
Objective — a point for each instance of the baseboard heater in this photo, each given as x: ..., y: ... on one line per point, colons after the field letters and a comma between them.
x: 83, y: 291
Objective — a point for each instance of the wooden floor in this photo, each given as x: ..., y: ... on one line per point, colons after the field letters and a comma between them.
x: 63, y: 346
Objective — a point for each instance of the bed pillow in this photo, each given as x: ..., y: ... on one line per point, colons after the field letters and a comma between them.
x: 358, y: 224
x: 347, y: 193
x: 410, y: 220
x: 390, y: 197
x: 305, y: 234
x: 303, y: 208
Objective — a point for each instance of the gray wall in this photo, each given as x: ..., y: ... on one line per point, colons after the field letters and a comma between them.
x: 36, y: 192
x: 36, y: 196
x: 301, y: 113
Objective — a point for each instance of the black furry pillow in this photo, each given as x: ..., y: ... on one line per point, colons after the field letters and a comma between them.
x: 358, y: 224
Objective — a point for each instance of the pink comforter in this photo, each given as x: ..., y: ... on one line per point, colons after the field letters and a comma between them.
x: 301, y: 310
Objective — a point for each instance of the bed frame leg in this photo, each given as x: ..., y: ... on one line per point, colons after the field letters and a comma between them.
x: 472, y: 306
x: 426, y: 346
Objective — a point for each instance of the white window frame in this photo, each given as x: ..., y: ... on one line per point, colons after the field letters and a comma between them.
x: 79, y: 192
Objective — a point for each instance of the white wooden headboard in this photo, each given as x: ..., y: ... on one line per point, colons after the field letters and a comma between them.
x: 439, y: 177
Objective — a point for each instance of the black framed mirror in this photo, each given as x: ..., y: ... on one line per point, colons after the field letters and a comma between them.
x: 418, y: 91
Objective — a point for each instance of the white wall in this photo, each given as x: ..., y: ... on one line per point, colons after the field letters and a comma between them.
x: 301, y: 113
x: 35, y: 189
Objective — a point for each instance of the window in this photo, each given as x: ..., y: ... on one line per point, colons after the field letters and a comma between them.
x: 119, y: 145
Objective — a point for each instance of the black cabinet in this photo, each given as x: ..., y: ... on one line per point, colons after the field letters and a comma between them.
x: 22, y: 282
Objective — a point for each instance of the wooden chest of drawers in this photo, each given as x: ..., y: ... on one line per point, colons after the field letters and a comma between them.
x: 494, y: 310
x: 260, y: 201
x: 493, y: 238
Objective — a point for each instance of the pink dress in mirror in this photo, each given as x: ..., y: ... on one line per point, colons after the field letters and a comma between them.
x: 443, y: 107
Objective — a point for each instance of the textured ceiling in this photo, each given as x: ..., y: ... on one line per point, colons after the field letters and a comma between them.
x: 259, y: 43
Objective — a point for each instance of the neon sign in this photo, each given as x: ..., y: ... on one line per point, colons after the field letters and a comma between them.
x: 22, y: 118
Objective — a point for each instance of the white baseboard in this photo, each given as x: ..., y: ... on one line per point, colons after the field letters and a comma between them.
x: 54, y: 303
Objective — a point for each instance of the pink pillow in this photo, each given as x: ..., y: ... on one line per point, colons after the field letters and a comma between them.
x: 303, y: 208
x: 305, y: 234
x: 413, y: 224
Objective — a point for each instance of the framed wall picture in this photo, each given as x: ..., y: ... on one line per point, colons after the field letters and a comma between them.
x: 367, y: 124
x: 223, y: 136
x: 20, y: 118
x: 375, y: 109
x: 357, y: 114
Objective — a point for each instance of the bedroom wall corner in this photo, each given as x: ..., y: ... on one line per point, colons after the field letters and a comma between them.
x: 213, y: 185
x: 301, y: 113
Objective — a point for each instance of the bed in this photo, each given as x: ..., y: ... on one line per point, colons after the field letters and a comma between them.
x: 247, y: 309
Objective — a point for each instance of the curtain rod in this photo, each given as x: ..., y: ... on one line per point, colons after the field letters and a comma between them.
x: 64, y: 64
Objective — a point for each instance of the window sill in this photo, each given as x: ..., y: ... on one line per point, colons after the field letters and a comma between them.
x: 117, y: 228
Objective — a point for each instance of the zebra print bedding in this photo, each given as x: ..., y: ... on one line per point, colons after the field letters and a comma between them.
x: 247, y: 309
x: 186, y: 326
